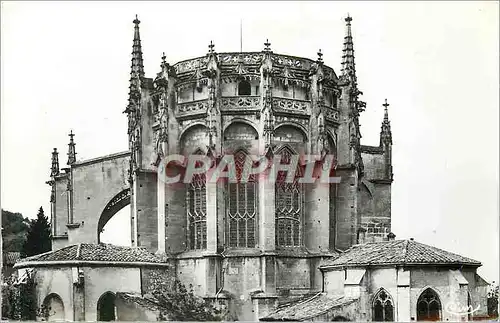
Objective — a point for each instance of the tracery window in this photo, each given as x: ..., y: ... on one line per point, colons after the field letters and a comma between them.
x: 241, y: 219
x: 197, y: 212
x: 289, y: 206
x: 383, y: 307
x: 428, y: 306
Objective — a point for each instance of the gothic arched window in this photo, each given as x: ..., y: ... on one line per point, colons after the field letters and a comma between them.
x: 383, y: 307
x: 244, y: 88
x: 241, y: 220
x: 428, y: 306
x: 196, y: 201
x: 289, y: 205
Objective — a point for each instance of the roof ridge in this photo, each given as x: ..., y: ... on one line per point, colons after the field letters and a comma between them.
x: 78, y: 251
x: 405, y: 251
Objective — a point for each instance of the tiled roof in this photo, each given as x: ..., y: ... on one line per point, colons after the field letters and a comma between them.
x: 307, y: 308
x: 404, y: 252
x: 11, y: 257
x: 86, y: 252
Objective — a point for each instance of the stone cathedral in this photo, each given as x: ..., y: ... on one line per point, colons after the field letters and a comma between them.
x: 255, y: 246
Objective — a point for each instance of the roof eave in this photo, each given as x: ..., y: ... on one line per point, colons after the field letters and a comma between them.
x: 88, y: 263
x: 396, y: 264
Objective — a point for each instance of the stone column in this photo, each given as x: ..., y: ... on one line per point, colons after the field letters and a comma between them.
x: 317, y: 217
x: 211, y: 257
x: 211, y: 196
x: 133, y: 209
x: 161, y: 215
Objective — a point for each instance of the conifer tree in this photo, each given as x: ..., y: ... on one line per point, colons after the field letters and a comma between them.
x: 38, y: 238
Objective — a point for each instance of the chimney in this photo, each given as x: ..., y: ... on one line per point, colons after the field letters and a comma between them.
x: 361, y: 235
x: 391, y: 236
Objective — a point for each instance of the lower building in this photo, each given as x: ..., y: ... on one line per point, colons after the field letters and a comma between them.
x: 395, y: 280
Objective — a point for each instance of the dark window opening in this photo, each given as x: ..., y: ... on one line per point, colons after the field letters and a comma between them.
x: 244, y: 88
x: 383, y: 308
x: 428, y: 306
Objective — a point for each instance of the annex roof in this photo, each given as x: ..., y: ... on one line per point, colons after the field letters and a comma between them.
x: 307, y: 308
x: 398, y: 252
x: 93, y: 254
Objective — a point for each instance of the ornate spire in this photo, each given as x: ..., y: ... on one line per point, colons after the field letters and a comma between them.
x: 385, y: 133
x: 137, y: 62
x: 348, y: 65
x: 71, y: 149
x: 137, y: 69
x: 54, y: 170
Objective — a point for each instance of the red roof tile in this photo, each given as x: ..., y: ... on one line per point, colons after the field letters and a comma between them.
x: 404, y: 252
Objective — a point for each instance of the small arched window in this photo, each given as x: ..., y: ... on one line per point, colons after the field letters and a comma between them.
x: 383, y: 307
x: 244, y: 88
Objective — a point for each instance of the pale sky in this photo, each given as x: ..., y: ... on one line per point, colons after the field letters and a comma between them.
x: 66, y: 65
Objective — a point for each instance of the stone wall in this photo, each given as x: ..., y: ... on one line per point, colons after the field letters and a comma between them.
x: 95, y: 183
x: 146, y: 210
x: 55, y: 280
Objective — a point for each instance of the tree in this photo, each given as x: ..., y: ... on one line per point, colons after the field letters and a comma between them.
x: 493, y: 301
x: 38, y: 238
x: 14, y: 231
x: 177, y: 303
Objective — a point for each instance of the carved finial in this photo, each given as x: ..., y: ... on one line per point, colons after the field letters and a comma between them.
x: 136, y: 20
x: 385, y: 133
x: 71, y: 149
x: 54, y: 170
x: 267, y: 45
x: 386, y: 105
x: 320, y: 58
x: 348, y: 19
x: 211, y: 47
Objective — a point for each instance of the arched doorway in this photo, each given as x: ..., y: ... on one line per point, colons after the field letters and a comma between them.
x: 106, y: 308
x: 340, y: 319
x: 53, y: 308
x: 428, y: 306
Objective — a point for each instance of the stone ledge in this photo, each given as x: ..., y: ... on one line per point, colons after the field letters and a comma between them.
x: 73, y: 225
x: 60, y: 237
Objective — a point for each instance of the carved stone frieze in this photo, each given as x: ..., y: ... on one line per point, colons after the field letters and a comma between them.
x: 235, y: 58
x: 291, y: 105
x: 190, y: 65
x: 298, y: 67
x: 282, y: 119
x: 239, y: 103
x: 192, y: 108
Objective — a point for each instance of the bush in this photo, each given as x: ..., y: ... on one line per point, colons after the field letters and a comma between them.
x: 180, y: 304
x: 19, y: 301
